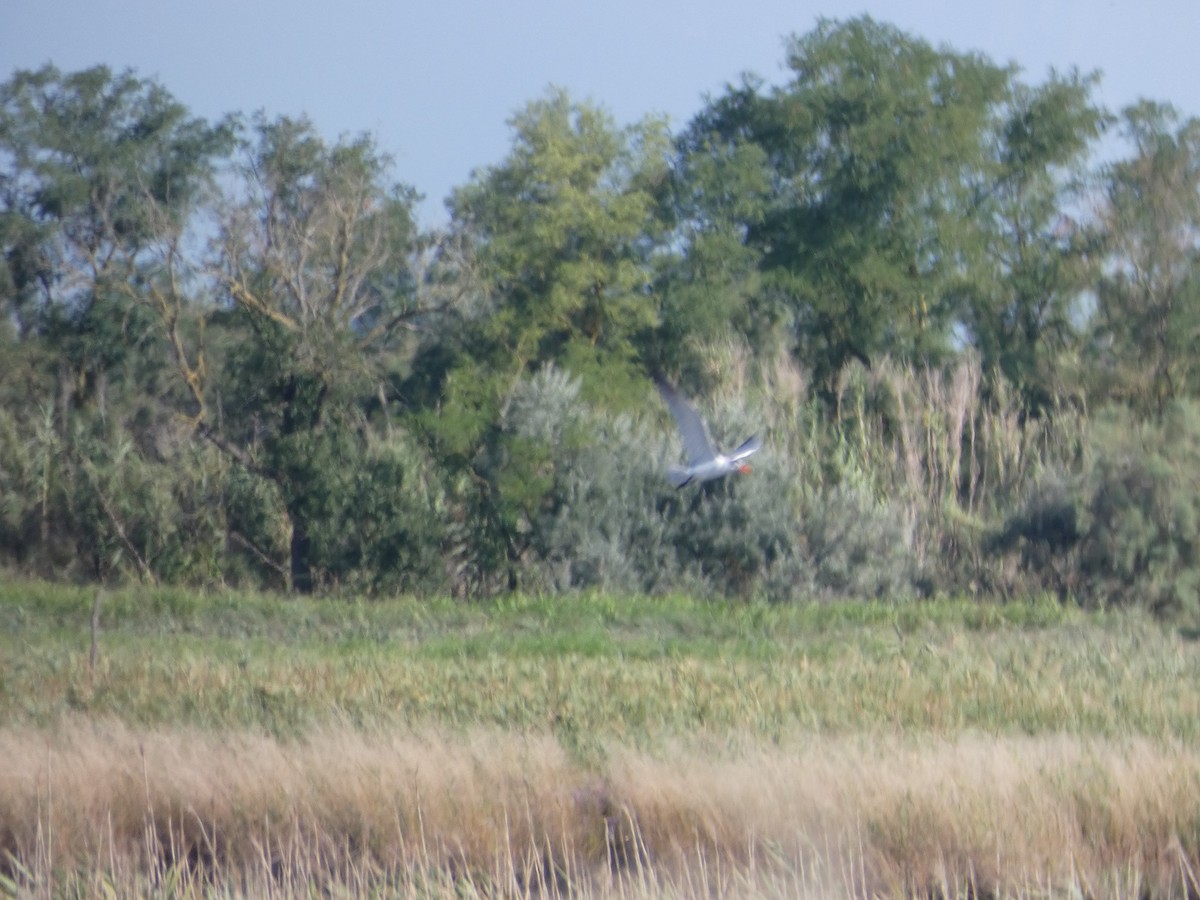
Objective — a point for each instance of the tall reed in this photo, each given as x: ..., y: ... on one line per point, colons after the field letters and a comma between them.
x: 507, y: 814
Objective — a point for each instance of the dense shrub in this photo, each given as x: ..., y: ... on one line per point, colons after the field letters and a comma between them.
x: 379, y: 521
x: 1141, y: 511
x: 598, y: 525
x: 567, y: 496
x: 398, y: 522
x: 1040, y: 536
x: 611, y: 521
x: 1124, y: 531
x: 858, y: 546
x: 122, y: 514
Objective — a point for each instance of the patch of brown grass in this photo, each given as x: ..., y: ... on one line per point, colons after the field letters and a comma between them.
x: 913, y: 817
x: 506, y: 813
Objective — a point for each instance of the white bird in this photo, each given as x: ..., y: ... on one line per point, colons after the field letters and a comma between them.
x: 705, y: 462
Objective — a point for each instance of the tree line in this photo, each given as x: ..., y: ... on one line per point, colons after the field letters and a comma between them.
x: 232, y: 356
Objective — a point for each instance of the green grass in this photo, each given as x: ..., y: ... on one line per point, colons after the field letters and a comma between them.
x: 593, y: 668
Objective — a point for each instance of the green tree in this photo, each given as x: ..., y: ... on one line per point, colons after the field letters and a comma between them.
x: 314, y: 260
x: 563, y: 230
x: 98, y: 166
x: 870, y: 146
x: 104, y: 174
x: 1148, y: 309
x: 101, y: 175
x: 708, y: 277
x: 1033, y: 262
x: 559, y: 239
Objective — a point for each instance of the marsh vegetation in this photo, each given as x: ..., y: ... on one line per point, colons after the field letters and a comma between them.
x: 247, y: 745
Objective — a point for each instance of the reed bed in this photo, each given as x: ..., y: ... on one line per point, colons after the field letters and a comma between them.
x: 181, y: 812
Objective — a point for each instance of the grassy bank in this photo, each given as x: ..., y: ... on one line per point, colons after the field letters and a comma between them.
x: 246, y: 745
x: 635, y: 670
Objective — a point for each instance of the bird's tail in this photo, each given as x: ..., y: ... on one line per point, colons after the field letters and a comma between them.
x: 678, y: 476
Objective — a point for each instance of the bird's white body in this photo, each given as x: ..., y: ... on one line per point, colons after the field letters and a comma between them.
x: 705, y: 462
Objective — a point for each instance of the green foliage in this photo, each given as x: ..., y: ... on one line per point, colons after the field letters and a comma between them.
x: 258, y: 530
x: 595, y: 527
x: 874, y: 266
x: 314, y: 260
x: 396, y: 524
x: 1032, y: 260
x: 373, y: 514
x: 718, y: 190
x: 563, y: 227
x: 1043, y: 531
x: 867, y: 145
x: 1148, y: 303
x: 1141, y: 512
x: 859, y: 546
x: 1125, y: 531
x: 104, y: 174
x: 29, y: 478
x: 112, y: 154
x: 560, y: 234
x: 320, y: 241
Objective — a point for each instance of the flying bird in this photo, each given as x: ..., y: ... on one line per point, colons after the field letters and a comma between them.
x: 705, y: 462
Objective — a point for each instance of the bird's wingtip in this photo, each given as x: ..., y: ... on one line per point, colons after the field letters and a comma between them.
x: 663, y: 383
x: 677, y: 476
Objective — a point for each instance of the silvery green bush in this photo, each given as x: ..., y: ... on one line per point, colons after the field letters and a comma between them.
x: 610, y: 520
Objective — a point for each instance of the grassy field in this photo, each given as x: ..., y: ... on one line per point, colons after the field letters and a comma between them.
x: 238, y: 745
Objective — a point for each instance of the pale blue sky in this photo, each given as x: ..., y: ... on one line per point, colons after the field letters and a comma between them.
x: 436, y: 82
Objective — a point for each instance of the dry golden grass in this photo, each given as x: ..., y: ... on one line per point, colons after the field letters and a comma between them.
x: 90, y: 807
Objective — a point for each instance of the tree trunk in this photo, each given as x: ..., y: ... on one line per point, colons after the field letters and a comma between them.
x: 301, y: 569
x: 65, y: 390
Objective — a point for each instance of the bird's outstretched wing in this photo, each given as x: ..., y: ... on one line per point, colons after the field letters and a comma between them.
x: 749, y: 447
x: 691, y: 426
